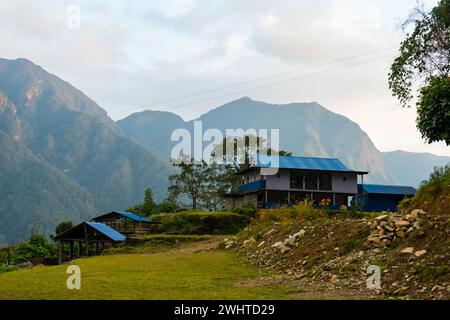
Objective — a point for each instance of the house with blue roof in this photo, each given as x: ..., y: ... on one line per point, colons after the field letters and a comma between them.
x: 272, y: 180
x: 377, y: 197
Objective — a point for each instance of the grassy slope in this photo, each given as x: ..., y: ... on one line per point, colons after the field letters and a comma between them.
x: 181, y: 274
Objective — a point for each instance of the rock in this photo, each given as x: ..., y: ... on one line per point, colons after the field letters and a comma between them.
x: 261, y: 244
x: 268, y: 233
x: 376, y: 250
x: 389, y: 228
x: 420, y: 253
x: 299, y: 234
x: 25, y: 264
x: 334, y: 278
x: 438, y: 288
x: 408, y: 250
x: 381, y: 218
x: 281, y: 246
x: 360, y: 253
x: 400, y: 234
x: 249, y: 241
x: 401, y: 223
x: 416, y: 213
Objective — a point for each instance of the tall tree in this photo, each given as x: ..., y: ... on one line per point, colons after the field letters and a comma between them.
x: 425, y: 59
x: 190, y: 181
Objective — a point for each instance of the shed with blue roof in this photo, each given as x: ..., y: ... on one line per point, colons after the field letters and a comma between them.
x: 377, y: 197
x: 90, y: 237
x: 126, y: 222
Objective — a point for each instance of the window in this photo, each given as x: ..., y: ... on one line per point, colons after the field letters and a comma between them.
x: 325, y: 181
x: 296, y: 180
x: 311, y: 181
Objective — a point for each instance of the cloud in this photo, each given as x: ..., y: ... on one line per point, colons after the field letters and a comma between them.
x: 127, y: 54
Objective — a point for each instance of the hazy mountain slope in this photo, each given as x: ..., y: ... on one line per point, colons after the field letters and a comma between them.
x: 70, y: 131
x: 33, y: 192
x: 305, y: 129
x: 411, y: 168
x: 152, y: 129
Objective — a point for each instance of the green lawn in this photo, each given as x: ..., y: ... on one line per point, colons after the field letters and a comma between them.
x: 178, y: 274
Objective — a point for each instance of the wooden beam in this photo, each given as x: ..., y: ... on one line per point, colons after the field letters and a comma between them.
x: 80, y: 245
x: 61, y: 252
x: 70, y: 250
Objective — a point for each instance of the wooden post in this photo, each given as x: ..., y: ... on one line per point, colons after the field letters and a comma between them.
x: 80, y: 245
x: 86, y: 243
x: 96, y: 247
x: 70, y: 250
x: 61, y: 252
x: 334, y: 199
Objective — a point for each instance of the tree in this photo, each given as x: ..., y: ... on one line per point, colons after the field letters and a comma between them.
x: 191, y: 181
x: 63, y: 226
x: 425, y: 59
x: 147, y: 207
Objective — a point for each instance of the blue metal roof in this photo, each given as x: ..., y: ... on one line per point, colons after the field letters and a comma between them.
x: 132, y: 216
x: 386, y: 189
x: 107, y: 231
x: 305, y: 163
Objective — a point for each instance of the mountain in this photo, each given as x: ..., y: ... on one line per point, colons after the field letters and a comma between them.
x: 68, y: 131
x: 410, y: 168
x: 305, y: 129
x: 152, y: 129
x: 35, y: 194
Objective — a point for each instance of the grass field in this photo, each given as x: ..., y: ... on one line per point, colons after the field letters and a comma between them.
x: 175, y: 274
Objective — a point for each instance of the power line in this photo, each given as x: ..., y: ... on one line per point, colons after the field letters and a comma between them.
x: 164, y: 101
x: 109, y: 121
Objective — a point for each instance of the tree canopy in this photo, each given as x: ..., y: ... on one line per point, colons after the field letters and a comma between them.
x: 424, y: 61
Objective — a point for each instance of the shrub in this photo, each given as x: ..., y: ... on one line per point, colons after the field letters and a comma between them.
x: 195, y: 222
x: 168, y: 205
x: 36, y: 250
x: 63, y: 226
x: 246, y: 211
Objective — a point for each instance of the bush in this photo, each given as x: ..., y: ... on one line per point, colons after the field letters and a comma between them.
x: 63, y: 226
x: 246, y: 211
x: 195, y: 222
x: 168, y: 205
x: 36, y: 250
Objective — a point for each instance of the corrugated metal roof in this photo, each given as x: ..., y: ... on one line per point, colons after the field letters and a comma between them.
x: 132, y: 216
x: 107, y: 231
x: 305, y: 163
x: 387, y: 189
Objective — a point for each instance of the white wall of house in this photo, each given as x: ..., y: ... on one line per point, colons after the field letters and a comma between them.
x: 341, y: 182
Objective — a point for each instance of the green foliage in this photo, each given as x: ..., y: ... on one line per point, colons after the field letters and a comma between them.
x: 63, y: 226
x: 433, y: 110
x: 36, y: 250
x: 147, y: 207
x: 246, y: 211
x: 168, y: 205
x: 425, y: 55
x: 203, y: 183
x: 200, y: 222
x: 433, y: 193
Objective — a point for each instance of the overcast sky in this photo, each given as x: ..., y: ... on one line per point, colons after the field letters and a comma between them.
x: 126, y: 55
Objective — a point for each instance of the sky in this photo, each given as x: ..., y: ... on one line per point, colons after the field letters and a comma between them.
x: 190, y: 56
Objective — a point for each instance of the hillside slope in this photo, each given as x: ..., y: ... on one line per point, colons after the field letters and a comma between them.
x: 35, y: 194
x: 411, y: 168
x: 60, y: 124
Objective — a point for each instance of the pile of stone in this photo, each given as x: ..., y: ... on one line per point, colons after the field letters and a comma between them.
x: 289, y: 242
x: 388, y: 227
